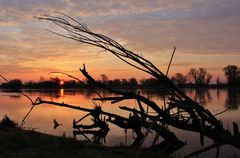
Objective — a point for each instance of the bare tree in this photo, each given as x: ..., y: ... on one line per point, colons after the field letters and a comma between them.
x: 133, y: 82
x: 179, y: 79
x: 200, y: 76
x: 104, y: 78
x: 232, y: 72
x: 192, y: 75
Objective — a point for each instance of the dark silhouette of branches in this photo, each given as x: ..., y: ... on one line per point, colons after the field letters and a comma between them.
x: 179, y: 111
x: 200, y: 76
x: 81, y: 33
x: 179, y: 79
x: 170, y: 62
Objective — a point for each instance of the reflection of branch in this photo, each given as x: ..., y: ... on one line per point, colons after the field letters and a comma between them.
x: 170, y: 62
x: 30, y: 110
x: 25, y: 95
x: 195, y: 153
x: 23, y: 120
x: 222, y: 111
x: 123, y: 122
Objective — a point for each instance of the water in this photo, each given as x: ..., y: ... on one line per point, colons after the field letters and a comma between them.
x: 41, y: 118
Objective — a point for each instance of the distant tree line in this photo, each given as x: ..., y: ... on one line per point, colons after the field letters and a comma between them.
x: 194, y: 78
x: 52, y: 83
x: 201, y: 78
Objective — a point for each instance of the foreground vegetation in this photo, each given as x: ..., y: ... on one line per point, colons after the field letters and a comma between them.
x: 17, y: 142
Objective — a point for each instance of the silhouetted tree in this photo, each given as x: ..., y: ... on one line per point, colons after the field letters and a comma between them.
x: 218, y: 82
x: 149, y: 82
x: 117, y: 82
x: 13, y: 84
x: 30, y: 84
x: 199, y: 77
x: 52, y: 83
x: 70, y: 84
x: 192, y: 75
x: 104, y: 78
x: 133, y: 82
x: 208, y: 78
x: 114, y: 83
x: 124, y: 82
x: 179, y: 79
x: 232, y: 73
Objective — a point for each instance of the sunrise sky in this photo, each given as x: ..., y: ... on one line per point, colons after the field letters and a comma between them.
x: 206, y: 34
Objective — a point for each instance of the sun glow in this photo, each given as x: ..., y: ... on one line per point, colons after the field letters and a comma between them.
x: 61, y: 83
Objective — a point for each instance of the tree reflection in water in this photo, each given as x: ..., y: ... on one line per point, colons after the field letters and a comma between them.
x: 202, y: 96
x: 232, y: 100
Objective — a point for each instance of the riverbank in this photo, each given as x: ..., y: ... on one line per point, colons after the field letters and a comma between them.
x: 18, y: 142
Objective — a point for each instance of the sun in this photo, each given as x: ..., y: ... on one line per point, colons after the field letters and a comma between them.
x: 61, y: 83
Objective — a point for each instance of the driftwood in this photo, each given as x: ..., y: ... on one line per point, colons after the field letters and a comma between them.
x: 134, y: 122
x: 179, y: 110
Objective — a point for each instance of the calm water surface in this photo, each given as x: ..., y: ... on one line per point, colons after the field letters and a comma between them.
x: 41, y: 118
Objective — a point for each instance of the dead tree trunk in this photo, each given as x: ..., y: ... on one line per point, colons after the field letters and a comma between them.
x: 181, y: 111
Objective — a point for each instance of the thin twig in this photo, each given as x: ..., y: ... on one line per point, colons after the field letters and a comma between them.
x: 170, y: 62
x: 18, y: 90
x: 23, y: 120
x: 32, y: 103
x: 219, y: 113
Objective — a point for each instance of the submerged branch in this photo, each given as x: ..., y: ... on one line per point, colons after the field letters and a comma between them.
x: 40, y: 101
x: 196, y: 153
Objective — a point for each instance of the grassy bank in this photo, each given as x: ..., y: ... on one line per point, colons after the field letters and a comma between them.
x: 16, y: 142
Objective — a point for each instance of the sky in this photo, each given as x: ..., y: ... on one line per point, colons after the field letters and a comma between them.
x: 205, y: 32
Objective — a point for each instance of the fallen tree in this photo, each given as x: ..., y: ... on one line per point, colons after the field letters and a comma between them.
x: 178, y: 110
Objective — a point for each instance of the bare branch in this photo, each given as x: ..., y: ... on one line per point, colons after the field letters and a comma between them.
x: 19, y: 91
x: 181, y: 111
x: 170, y: 62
